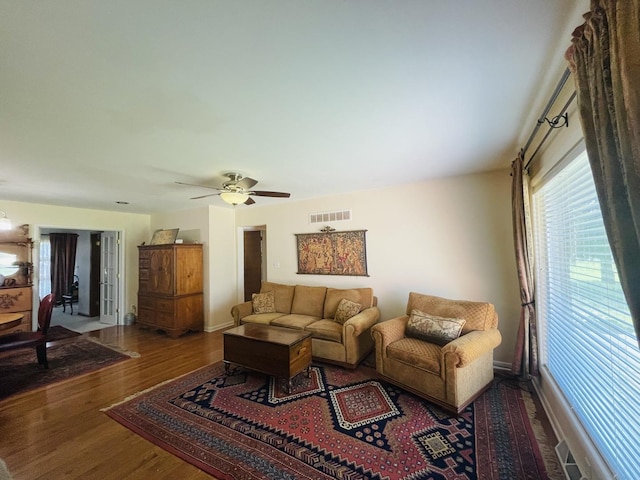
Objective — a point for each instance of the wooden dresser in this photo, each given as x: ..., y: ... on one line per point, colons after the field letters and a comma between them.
x: 170, y: 288
x: 17, y: 300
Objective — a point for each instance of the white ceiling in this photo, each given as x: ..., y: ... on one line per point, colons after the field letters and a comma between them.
x: 114, y: 100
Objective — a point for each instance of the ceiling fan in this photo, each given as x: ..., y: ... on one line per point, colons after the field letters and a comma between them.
x: 237, y: 190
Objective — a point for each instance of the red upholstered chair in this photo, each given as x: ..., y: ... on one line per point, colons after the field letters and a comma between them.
x: 37, y: 339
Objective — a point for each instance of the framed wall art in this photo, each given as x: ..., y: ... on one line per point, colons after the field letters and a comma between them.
x: 164, y: 237
x: 333, y: 253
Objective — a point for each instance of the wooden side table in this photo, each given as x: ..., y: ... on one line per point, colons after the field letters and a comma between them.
x: 10, y: 320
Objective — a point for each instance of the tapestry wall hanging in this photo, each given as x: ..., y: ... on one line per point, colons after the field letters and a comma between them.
x: 332, y: 253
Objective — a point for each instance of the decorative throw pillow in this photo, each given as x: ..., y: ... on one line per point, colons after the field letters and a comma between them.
x: 346, y: 309
x: 438, y: 330
x: 263, y: 302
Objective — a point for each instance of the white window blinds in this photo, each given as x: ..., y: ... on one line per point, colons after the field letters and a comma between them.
x: 588, y: 342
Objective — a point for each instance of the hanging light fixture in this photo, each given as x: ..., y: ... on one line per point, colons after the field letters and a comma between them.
x: 5, y: 223
x: 234, y: 198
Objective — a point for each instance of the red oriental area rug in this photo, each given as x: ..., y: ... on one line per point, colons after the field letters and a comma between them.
x: 336, y: 424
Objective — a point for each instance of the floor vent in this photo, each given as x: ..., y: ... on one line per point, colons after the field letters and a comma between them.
x: 568, y: 463
x: 324, y: 217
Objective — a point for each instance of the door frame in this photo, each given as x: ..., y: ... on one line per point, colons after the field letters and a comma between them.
x: 119, y: 273
x: 240, y: 257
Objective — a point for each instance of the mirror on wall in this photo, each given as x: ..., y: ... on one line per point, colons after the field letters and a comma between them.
x: 16, y: 265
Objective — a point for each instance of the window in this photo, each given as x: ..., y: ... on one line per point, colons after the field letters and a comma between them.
x: 45, y: 266
x: 588, y: 344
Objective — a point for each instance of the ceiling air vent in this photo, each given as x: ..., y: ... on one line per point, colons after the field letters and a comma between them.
x: 324, y: 217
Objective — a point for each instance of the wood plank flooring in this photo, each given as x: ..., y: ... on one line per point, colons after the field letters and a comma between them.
x: 59, y: 432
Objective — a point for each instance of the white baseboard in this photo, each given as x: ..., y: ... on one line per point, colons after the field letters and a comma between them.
x: 501, y: 366
x: 215, y: 328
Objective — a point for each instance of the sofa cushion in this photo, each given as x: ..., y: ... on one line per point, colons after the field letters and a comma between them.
x: 263, y: 302
x: 282, y: 294
x: 326, y: 329
x: 308, y: 301
x: 414, y: 352
x: 363, y: 296
x: 264, y: 318
x: 434, y: 329
x: 299, y: 322
x: 346, y: 309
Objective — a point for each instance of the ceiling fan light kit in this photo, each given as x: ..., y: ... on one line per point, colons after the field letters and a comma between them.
x: 234, y: 198
x: 237, y: 190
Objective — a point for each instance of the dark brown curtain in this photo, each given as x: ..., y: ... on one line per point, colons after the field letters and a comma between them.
x: 63, y: 262
x: 525, y: 359
x: 605, y: 61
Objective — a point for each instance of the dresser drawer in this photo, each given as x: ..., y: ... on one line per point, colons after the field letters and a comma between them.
x: 143, y: 274
x: 15, y: 299
x: 156, y: 303
x: 156, y: 318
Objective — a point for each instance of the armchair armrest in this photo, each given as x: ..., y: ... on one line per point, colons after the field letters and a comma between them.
x: 389, y: 331
x: 362, y: 321
x: 465, y: 349
x: 238, y: 312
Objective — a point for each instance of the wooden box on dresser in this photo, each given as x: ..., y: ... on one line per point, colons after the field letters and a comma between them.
x: 170, y: 288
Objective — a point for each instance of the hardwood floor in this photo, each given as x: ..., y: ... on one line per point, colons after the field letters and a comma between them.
x: 59, y: 432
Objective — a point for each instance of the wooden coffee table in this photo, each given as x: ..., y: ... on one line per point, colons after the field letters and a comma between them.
x: 280, y: 352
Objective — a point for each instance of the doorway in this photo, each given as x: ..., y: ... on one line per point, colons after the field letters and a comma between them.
x: 88, y: 272
x: 254, y: 260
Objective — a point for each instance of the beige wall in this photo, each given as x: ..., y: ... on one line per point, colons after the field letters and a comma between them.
x: 134, y: 227
x: 450, y: 237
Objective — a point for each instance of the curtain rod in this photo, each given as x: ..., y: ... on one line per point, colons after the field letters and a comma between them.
x: 543, y: 116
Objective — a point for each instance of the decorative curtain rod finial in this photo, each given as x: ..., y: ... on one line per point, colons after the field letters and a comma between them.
x: 557, y: 121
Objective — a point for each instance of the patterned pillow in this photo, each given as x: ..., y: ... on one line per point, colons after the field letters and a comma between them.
x: 263, y: 302
x: 438, y: 330
x: 346, y: 309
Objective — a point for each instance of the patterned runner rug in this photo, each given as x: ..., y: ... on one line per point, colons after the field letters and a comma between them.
x: 337, y: 424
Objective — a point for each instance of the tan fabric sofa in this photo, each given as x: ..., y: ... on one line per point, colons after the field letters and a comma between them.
x: 452, y: 375
x: 313, y: 309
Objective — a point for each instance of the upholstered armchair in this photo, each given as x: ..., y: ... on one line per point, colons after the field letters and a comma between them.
x: 451, y: 374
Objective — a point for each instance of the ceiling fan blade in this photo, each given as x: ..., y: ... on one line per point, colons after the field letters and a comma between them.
x: 249, y: 201
x: 263, y: 193
x: 204, y: 196
x: 246, y: 183
x: 194, y: 185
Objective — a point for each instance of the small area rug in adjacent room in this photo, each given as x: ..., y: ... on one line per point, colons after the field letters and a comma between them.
x: 19, y: 370
x: 337, y: 424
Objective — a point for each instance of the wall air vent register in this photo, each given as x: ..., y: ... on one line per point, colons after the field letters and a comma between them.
x: 335, y: 216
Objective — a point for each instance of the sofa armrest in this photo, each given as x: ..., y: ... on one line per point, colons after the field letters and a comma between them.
x: 238, y: 312
x: 362, y: 322
x: 466, y: 348
x: 389, y: 331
